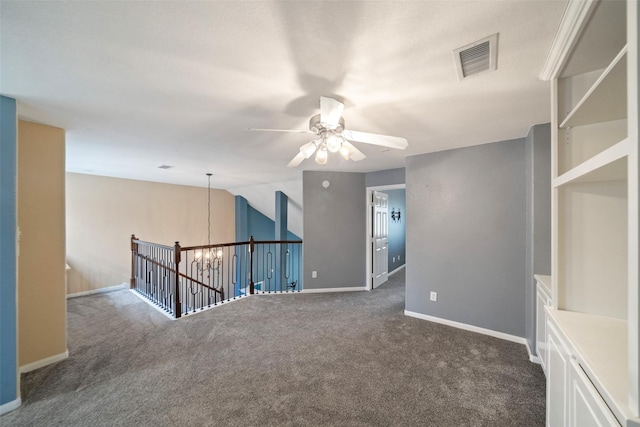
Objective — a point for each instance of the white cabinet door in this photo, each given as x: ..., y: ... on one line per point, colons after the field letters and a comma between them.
x: 587, y: 407
x: 557, y: 380
x: 542, y: 300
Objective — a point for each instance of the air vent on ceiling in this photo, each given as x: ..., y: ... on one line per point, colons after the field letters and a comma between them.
x: 165, y: 167
x: 477, y: 58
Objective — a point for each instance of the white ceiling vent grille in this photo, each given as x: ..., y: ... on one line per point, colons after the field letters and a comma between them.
x: 477, y: 58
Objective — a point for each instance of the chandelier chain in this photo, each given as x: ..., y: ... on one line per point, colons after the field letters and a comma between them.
x: 209, y: 211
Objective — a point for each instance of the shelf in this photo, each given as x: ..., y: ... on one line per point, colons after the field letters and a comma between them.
x: 604, y: 166
x: 601, y: 349
x: 544, y: 281
x: 606, y: 100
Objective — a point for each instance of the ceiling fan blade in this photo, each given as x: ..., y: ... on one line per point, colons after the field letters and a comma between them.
x: 375, y: 139
x: 355, y: 154
x: 280, y: 130
x: 296, y: 160
x: 330, y: 111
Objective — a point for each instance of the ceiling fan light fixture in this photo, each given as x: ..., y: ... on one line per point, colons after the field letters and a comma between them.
x: 345, y: 152
x: 334, y: 143
x: 322, y: 155
x: 309, y: 148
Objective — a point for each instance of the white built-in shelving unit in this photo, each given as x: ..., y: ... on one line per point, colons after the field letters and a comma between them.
x: 593, y: 313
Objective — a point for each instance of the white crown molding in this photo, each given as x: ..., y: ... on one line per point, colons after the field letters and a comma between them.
x: 573, y: 20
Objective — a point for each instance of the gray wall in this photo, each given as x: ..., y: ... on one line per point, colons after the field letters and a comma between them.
x: 385, y: 177
x: 466, y: 235
x: 334, y: 229
x: 538, y: 182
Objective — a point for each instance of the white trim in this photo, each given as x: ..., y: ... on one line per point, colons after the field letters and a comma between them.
x: 202, y: 310
x: 324, y: 290
x: 10, y: 406
x: 532, y: 357
x: 43, y: 362
x: 151, y: 304
x: 573, y: 20
x: 396, y: 270
x: 259, y: 293
x: 388, y: 187
x: 99, y: 291
x: 466, y: 327
x: 190, y: 314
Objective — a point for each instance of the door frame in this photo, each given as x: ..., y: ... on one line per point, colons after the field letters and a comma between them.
x: 368, y: 272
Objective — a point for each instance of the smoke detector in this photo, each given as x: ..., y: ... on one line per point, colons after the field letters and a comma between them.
x: 477, y: 58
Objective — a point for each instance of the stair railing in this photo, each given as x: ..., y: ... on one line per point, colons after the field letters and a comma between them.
x: 183, y: 280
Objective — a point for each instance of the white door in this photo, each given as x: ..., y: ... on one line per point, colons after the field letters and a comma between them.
x: 379, y: 241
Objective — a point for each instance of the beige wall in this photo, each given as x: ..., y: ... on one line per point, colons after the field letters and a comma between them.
x: 103, y: 213
x: 42, y: 310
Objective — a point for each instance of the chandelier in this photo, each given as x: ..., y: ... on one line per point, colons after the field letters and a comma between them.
x: 210, y: 259
x: 329, y: 141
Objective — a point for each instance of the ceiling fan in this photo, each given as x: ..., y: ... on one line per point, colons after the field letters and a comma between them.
x: 328, y: 126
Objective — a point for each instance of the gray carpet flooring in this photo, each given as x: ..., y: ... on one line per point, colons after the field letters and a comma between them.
x: 343, y: 359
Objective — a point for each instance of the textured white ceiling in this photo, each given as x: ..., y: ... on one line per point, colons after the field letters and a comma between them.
x: 141, y: 84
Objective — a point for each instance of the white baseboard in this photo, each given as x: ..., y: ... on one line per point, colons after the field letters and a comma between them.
x: 532, y: 357
x: 43, y: 362
x: 170, y: 316
x: 323, y: 290
x: 151, y: 304
x: 10, y: 406
x: 396, y: 270
x: 466, y: 327
x: 99, y: 291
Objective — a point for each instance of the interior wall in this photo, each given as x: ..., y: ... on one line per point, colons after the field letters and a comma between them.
x: 538, y: 184
x: 334, y: 229
x: 103, y: 213
x: 9, y: 380
x: 42, y: 309
x: 385, y: 177
x: 397, y: 233
x: 466, y: 236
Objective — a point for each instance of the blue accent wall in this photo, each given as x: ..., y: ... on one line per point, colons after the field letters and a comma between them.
x: 251, y: 222
x: 262, y: 227
x: 397, y: 253
x: 8, y: 344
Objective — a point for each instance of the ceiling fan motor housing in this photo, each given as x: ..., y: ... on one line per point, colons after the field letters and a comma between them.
x: 317, y: 127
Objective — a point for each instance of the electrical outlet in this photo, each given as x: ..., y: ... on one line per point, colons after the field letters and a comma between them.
x: 434, y: 296
x: 398, y: 258
x: 393, y: 259
x: 314, y: 274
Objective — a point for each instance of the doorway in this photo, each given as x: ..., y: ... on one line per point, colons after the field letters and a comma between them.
x: 378, y: 239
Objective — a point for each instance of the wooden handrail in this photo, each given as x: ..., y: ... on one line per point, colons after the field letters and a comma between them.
x: 222, y: 245
x: 155, y: 245
x: 172, y: 270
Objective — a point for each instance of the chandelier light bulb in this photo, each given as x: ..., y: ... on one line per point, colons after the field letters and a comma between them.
x: 322, y: 155
x: 334, y: 143
x: 198, y: 255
